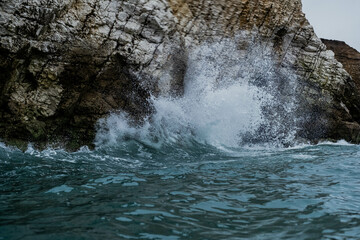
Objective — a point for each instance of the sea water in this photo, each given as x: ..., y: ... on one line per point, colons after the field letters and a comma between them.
x: 181, y: 192
x: 214, y: 163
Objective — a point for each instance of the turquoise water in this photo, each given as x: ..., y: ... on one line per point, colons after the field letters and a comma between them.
x: 136, y: 191
x: 210, y: 164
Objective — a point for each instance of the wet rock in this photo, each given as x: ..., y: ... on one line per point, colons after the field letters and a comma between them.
x: 347, y: 56
x: 65, y: 64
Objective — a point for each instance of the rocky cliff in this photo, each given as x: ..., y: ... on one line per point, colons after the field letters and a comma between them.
x: 65, y: 64
x: 347, y: 56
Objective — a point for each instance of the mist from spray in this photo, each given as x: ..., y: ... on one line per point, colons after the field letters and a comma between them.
x: 230, y: 99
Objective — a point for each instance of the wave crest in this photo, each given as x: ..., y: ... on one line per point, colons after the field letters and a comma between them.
x: 232, y: 97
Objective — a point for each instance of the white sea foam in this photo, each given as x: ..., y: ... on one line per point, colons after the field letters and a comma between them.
x: 215, y: 117
x: 63, y: 188
x: 6, y: 147
x: 337, y: 143
x: 228, y: 99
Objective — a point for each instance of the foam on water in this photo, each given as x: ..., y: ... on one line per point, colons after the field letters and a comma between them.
x: 229, y: 99
x: 216, y: 117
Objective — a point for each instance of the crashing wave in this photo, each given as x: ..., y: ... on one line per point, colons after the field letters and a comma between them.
x: 232, y: 97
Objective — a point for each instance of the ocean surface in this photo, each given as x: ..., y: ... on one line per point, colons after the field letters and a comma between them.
x: 179, y: 192
x: 223, y: 161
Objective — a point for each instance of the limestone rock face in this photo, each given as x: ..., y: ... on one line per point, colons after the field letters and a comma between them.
x: 65, y: 64
x: 350, y: 59
x: 347, y: 56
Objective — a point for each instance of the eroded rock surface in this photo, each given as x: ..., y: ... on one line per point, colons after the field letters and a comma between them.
x: 347, y: 56
x: 65, y: 64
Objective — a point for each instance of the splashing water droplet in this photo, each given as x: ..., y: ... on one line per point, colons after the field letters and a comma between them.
x: 229, y: 100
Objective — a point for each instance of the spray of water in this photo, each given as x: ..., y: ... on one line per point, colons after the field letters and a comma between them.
x: 230, y: 99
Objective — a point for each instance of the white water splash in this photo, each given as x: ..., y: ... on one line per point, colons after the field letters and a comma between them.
x: 216, y: 117
x: 222, y: 104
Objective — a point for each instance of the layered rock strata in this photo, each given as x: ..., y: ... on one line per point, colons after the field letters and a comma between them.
x: 347, y: 56
x: 65, y: 64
